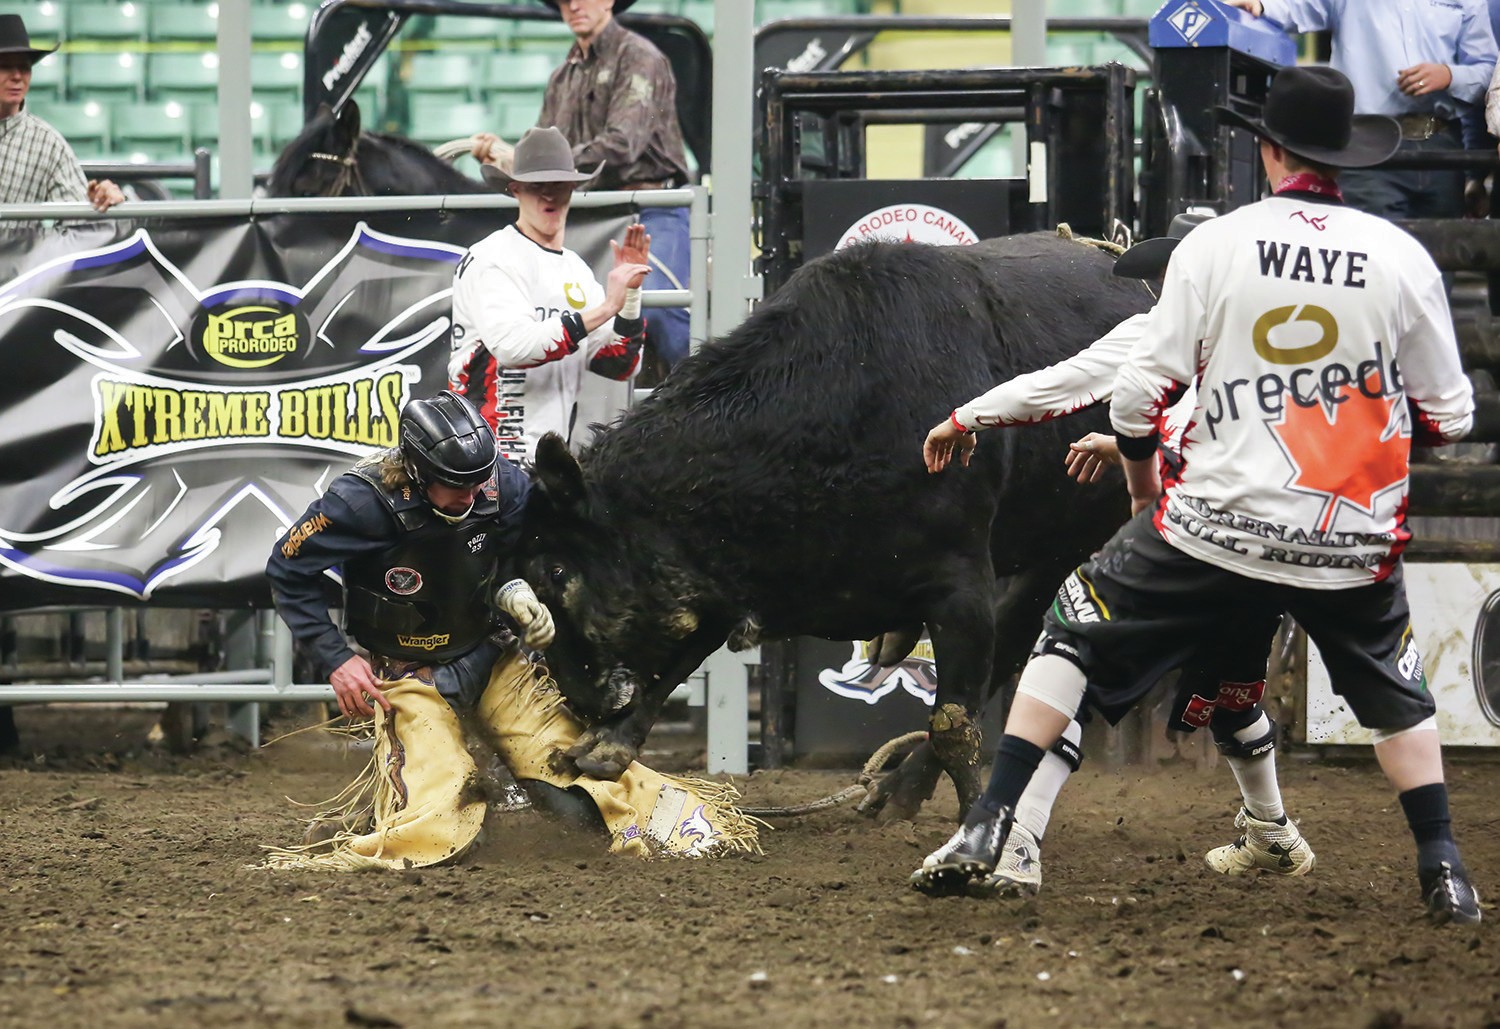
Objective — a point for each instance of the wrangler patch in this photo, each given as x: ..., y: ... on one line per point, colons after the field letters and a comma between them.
x: 299, y: 534
x: 437, y: 639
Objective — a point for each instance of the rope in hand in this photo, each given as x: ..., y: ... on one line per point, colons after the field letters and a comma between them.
x: 859, y: 789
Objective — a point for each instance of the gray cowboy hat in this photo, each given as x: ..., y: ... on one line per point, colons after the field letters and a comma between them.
x: 620, y: 6
x: 542, y: 155
x: 1310, y: 112
x: 14, y: 39
x: 1148, y: 258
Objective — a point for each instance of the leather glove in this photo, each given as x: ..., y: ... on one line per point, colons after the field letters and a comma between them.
x: 517, y: 600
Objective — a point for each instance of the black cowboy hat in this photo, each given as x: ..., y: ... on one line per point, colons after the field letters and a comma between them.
x: 1310, y: 113
x: 542, y: 155
x: 14, y: 39
x: 620, y: 6
x: 1148, y: 258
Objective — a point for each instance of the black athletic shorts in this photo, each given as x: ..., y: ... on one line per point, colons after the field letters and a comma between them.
x: 1139, y: 608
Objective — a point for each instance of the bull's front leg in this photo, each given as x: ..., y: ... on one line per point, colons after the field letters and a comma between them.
x: 608, y: 746
x: 963, y: 636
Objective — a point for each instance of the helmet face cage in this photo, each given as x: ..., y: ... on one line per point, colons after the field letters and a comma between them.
x: 445, y: 440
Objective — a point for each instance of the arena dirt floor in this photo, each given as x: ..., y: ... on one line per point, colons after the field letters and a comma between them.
x: 126, y: 900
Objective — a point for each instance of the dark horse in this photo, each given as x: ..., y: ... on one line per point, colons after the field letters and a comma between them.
x: 333, y: 158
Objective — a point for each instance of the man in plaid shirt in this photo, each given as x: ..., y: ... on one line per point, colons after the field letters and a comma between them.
x: 36, y: 163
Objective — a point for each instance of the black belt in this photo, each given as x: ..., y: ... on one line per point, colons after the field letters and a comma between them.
x: 1418, y: 127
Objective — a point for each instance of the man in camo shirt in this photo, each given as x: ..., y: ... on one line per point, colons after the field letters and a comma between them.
x: 615, y: 98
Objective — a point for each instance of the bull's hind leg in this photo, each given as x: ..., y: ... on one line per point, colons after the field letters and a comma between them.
x: 901, y: 793
x: 963, y: 634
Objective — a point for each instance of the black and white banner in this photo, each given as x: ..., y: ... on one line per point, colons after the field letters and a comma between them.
x: 176, y: 392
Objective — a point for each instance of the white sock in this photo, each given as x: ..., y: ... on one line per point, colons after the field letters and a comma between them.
x: 1034, y: 809
x: 1257, y: 775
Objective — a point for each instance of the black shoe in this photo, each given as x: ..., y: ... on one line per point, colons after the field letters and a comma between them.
x: 1450, y: 897
x: 970, y: 853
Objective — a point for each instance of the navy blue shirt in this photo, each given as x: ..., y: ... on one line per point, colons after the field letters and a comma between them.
x: 349, y: 520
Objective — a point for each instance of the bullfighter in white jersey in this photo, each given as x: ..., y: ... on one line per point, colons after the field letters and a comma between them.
x: 529, y: 318
x: 1320, y: 343
x: 1220, y: 688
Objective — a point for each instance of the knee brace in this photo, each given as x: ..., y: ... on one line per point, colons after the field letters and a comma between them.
x: 1230, y: 745
x: 1067, y: 747
x: 1055, y: 681
x: 1228, y: 721
x: 1069, y: 752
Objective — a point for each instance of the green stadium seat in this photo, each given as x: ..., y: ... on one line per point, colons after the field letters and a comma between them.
x: 183, y: 76
x: 49, y: 78
x: 700, y: 11
x: 454, y: 75
x: 510, y: 116
x: 276, y: 73
x: 657, y: 7
x: 775, y: 10
x: 1083, y: 8
x: 993, y: 161
x: 371, y: 103
x: 153, y: 128
x: 86, y: 125
x: 280, y: 22
x: 1067, y: 55
x: 456, y: 28
x: 286, y: 124
x: 511, y: 73
x: 195, y: 22
x: 102, y: 76
x: 434, y: 120
x: 46, y: 24
x: 550, y: 36
x: 203, y: 123
x: 106, y: 21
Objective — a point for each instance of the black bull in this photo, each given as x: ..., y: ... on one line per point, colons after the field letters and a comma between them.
x: 774, y: 487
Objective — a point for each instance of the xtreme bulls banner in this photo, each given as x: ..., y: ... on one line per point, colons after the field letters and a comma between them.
x: 176, y: 392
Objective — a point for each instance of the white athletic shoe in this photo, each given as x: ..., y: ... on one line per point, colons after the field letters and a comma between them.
x: 1267, y: 846
x: 1019, y: 873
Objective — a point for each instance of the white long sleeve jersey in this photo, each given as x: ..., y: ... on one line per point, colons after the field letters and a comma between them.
x: 512, y: 355
x: 1319, y: 340
x: 1067, y: 387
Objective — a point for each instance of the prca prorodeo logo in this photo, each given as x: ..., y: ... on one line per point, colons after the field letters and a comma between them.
x: 251, y: 335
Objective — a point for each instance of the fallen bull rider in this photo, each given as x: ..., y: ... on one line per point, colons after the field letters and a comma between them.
x: 421, y: 533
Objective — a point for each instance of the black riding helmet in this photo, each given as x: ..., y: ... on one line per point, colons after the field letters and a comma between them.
x: 446, y: 440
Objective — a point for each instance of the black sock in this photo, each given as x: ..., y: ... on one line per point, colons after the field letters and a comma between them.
x: 1015, y: 761
x: 1426, y: 810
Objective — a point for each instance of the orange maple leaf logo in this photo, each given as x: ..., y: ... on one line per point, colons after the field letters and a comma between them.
x: 1350, y: 451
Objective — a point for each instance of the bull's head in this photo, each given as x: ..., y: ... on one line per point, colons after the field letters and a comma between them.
x: 623, y: 608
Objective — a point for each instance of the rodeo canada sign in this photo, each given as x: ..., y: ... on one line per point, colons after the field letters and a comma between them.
x: 910, y: 223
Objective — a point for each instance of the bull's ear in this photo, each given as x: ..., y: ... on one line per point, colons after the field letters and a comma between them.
x: 558, y: 472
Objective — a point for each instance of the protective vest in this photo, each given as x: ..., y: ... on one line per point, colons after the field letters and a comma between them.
x: 427, y: 597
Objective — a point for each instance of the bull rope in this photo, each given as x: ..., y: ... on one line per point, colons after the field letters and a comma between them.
x: 1065, y: 231
x: 860, y: 788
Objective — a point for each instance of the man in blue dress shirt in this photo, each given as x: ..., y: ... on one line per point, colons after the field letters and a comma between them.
x: 1414, y: 60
